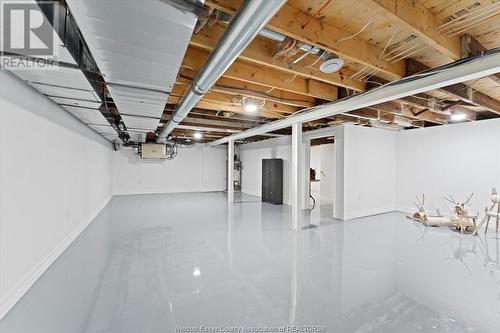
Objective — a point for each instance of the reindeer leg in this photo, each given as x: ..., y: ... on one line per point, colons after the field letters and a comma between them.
x: 487, y: 224
x: 498, y: 215
x: 479, y: 226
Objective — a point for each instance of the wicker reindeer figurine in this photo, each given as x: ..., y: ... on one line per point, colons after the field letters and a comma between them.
x: 459, y: 221
x: 491, y: 212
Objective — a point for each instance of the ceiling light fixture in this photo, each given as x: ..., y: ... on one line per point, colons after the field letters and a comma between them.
x: 332, y: 64
x: 197, y: 135
x: 250, y: 107
x: 458, y: 116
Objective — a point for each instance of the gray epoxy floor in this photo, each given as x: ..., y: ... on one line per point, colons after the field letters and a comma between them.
x: 151, y: 262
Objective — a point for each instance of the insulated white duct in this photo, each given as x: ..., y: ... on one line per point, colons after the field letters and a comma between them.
x: 250, y: 19
x: 460, y: 71
x: 139, y: 47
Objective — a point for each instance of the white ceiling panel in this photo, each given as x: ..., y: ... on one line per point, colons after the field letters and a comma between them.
x: 103, y: 129
x: 88, y: 116
x: 64, y: 92
x: 140, y: 123
x: 60, y: 77
x: 138, y: 101
x: 76, y: 102
x: 60, y: 82
x: 111, y: 137
x: 138, y: 46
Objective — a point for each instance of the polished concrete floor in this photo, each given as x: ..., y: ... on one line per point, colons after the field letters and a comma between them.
x: 154, y: 263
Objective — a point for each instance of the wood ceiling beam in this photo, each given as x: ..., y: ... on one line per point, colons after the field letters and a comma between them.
x: 220, y: 101
x: 260, y: 52
x: 227, y: 124
x: 372, y: 114
x: 469, y: 46
x: 418, y: 101
x: 324, y: 35
x: 410, y: 112
x: 460, y: 90
x: 194, y: 59
x: 194, y: 120
x: 217, y: 114
x: 217, y: 105
x: 414, y: 17
x: 467, y: 94
x: 236, y: 87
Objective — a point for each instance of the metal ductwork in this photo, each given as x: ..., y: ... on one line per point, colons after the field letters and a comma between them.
x: 250, y: 19
x: 139, y: 47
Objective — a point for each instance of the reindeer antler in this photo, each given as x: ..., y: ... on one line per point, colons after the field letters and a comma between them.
x: 451, y: 200
x: 420, y: 203
x: 468, y: 199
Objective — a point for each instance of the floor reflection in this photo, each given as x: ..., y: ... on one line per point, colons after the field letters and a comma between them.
x: 151, y: 262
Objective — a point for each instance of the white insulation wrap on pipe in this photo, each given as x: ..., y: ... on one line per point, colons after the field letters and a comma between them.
x: 250, y: 19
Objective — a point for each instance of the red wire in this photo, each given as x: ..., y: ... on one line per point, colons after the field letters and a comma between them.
x: 319, y: 11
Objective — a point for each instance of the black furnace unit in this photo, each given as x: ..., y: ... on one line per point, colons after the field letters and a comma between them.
x: 272, y: 181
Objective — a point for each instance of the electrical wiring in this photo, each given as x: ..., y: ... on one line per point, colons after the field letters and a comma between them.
x: 316, y: 13
x: 389, y: 42
x: 471, y: 20
x: 357, y: 33
x: 321, y: 56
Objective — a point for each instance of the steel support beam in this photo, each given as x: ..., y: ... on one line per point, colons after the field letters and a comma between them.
x: 230, y: 171
x: 296, y: 176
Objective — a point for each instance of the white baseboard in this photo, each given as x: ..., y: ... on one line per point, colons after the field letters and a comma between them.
x: 163, y: 191
x: 407, y: 210
x: 12, y: 296
x: 368, y: 212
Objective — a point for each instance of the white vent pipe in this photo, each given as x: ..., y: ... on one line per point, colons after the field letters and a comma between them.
x: 249, y: 20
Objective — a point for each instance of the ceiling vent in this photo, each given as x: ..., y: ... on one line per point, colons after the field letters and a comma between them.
x: 153, y: 151
x: 332, y: 64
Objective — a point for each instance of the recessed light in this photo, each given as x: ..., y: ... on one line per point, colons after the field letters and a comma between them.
x: 197, y: 135
x: 250, y: 107
x: 332, y: 64
x: 458, y: 116
x: 196, y: 272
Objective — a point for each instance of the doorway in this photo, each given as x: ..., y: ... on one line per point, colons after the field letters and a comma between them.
x: 322, y: 176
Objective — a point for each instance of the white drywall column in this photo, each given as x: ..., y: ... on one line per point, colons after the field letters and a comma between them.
x: 230, y: 171
x: 296, y: 176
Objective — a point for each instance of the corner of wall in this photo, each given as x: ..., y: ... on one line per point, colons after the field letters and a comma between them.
x: 12, y: 296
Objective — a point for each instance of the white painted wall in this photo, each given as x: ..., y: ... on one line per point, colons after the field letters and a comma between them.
x: 315, y: 163
x: 327, y: 174
x: 54, y: 179
x: 252, y: 155
x: 457, y: 159
x: 369, y: 171
x: 193, y: 170
x: 322, y: 159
